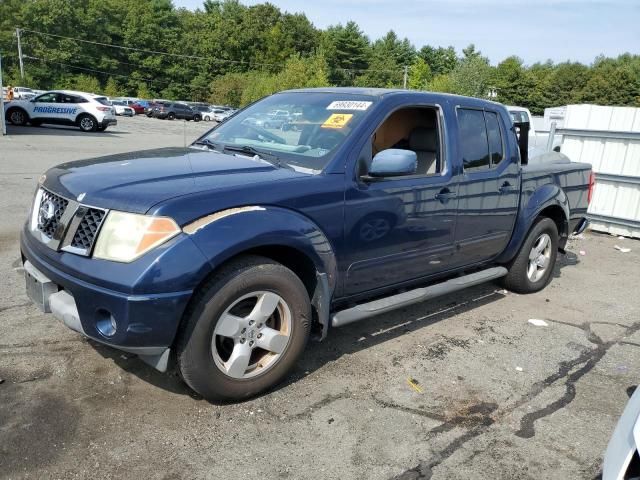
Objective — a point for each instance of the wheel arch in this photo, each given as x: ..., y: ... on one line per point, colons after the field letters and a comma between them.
x: 84, y: 114
x: 547, y: 201
x: 276, y: 233
x: 9, y: 109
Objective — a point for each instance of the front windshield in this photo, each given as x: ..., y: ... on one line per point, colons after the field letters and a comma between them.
x: 301, y: 129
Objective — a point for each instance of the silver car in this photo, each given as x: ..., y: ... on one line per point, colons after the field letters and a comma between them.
x: 621, y: 461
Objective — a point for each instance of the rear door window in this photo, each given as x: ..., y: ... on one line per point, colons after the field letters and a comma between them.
x: 473, y: 139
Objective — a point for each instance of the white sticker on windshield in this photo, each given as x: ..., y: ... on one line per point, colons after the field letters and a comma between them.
x: 348, y: 105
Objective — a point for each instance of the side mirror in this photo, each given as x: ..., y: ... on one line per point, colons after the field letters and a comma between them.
x: 393, y: 162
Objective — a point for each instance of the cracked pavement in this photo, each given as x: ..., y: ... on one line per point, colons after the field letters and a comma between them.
x: 500, y: 398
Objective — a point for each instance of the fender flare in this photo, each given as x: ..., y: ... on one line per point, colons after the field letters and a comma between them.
x: 539, y: 199
x: 223, y: 235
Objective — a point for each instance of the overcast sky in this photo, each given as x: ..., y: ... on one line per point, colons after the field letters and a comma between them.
x: 535, y: 30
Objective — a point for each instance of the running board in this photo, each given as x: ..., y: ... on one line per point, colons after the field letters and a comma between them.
x: 387, y: 304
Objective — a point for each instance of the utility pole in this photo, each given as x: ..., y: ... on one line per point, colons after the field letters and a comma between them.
x: 3, y: 122
x: 404, y: 80
x: 20, y: 54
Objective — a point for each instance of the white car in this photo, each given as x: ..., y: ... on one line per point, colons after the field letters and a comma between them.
x: 621, y: 460
x: 87, y: 111
x: 23, y: 93
x: 121, y: 108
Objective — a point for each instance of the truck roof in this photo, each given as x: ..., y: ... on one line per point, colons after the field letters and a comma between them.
x: 381, y: 92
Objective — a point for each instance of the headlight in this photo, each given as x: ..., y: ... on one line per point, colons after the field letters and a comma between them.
x: 127, y: 236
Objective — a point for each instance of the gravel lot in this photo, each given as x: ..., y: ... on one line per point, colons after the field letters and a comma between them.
x: 497, y: 397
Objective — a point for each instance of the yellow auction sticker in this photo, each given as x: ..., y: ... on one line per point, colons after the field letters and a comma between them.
x: 337, y: 120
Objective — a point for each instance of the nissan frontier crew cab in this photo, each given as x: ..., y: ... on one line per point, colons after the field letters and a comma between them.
x: 228, y: 255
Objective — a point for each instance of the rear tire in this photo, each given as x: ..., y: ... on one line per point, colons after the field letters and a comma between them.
x: 532, y: 268
x: 218, y: 331
x: 87, y: 123
x: 17, y: 116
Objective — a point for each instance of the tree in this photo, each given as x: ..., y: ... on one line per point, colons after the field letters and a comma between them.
x: 86, y: 83
x: 512, y: 82
x: 441, y: 61
x: 347, y: 50
x: 111, y: 89
x: 472, y: 77
x: 227, y: 89
x: 419, y: 75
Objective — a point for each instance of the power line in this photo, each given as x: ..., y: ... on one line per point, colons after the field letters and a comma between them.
x: 152, y: 52
x: 194, y: 57
x: 111, y: 74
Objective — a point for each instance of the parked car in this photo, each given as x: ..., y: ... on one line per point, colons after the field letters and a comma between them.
x: 622, y: 459
x: 23, y: 93
x: 63, y: 107
x: 176, y: 110
x: 151, y: 107
x: 229, y: 254
x: 121, y: 108
x: 277, y: 119
x: 139, y: 107
x: 221, y: 116
x: 203, y: 110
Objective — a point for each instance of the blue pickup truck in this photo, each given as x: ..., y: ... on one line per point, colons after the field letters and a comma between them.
x: 227, y: 256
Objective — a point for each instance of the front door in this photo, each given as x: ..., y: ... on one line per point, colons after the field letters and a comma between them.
x: 401, y: 228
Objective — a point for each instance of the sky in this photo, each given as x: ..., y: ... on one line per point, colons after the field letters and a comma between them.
x: 535, y: 30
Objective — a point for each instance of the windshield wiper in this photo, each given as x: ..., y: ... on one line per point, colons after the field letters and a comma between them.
x: 267, y: 156
x: 212, y: 145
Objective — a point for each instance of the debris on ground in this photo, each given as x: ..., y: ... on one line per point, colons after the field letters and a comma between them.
x: 519, y: 369
x: 1, y: 381
x: 413, y: 383
x: 330, y: 421
x: 538, y: 322
x: 582, y: 252
x: 622, y: 249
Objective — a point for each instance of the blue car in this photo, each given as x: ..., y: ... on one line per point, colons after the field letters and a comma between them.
x: 228, y: 255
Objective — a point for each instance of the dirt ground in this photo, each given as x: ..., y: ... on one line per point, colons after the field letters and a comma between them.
x: 496, y: 397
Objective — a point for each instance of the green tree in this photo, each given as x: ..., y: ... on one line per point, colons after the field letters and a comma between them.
x: 112, y: 89
x: 347, y: 50
x: 440, y: 60
x: 419, y: 75
x: 472, y: 77
x: 86, y: 83
x: 512, y: 82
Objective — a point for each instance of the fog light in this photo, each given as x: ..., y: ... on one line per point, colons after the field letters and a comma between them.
x: 105, y: 323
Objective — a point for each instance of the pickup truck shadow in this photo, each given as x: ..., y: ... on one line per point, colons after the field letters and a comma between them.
x: 59, y: 130
x: 346, y: 340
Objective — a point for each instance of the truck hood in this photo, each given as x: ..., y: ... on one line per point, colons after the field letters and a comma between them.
x: 134, y: 182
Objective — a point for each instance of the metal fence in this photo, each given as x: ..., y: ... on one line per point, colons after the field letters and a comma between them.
x: 609, y: 139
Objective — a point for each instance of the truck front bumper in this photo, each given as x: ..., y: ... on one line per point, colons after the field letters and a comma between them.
x: 142, y: 324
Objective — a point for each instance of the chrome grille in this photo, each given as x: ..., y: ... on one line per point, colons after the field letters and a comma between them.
x: 86, y: 232
x: 58, y: 204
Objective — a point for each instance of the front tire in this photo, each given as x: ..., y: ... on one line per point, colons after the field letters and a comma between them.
x: 532, y: 268
x: 87, y: 123
x: 17, y: 116
x: 171, y: 116
x: 244, y: 330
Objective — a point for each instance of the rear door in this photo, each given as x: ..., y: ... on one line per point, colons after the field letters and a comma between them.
x: 489, y: 189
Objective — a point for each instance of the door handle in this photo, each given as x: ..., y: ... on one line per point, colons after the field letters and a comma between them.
x: 445, y: 194
x: 506, y: 188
